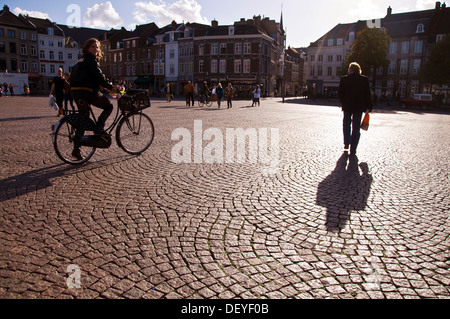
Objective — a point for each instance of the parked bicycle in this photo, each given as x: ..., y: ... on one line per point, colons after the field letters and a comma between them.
x: 204, y: 100
x: 134, y: 130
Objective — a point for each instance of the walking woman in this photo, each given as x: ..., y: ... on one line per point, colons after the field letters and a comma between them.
x: 220, y: 93
x: 229, y: 95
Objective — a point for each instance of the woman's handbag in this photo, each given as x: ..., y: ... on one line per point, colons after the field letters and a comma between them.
x: 365, y: 122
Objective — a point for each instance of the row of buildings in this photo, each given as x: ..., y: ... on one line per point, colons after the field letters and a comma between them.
x: 246, y: 53
x: 413, y: 35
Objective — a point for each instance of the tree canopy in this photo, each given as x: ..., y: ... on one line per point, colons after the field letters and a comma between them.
x: 437, y: 68
x: 370, y: 50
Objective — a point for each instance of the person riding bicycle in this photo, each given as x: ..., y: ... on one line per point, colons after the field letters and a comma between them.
x: 204, y: 90
x: 86, y: 79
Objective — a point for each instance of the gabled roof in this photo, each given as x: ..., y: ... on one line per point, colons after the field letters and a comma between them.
x: 42, y: 25
x: 7, y: 18
x: 81, y: 35
x: 405, y: 24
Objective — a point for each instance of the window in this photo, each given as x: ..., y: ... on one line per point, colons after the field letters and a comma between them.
x: 247, y: 48
x: 52, y: 69
x: 230, y: 30
x: 23, y: 49
x: 11, y: 34
x: 312, y: 72
x: 418, y: 46
x: 247, y: 66
x: 416, y: 66
x: 172, y: 53
x: 214, y: 48
x: 223, y: 48
x: 237, y: 66
x: 313, y: 58
x: 50, y: 31
x: 201, y: 49
x: 60, y: 56
x: 201, y: 66
x: 404, y: 66
x: 213, y: 66
x: 340, y: 42
x: 51, y: 55
x: 12, y: 47
x: 405, y: 47
x: 33, y: 50
x: 172, y: 69
x: 2, y: 47
x: 42, y: 54
x: 320, y: 58
x: 330, y: 58
x: 351, y: 36
x: 319, y: 70
x: 393, y: 48
x: 339, y: 58
x: 330, y: 42
x: 392, y: 67
x: 23, y: 35
x: 238, y: 48
x: 223, y: 66
x: 420, y: 28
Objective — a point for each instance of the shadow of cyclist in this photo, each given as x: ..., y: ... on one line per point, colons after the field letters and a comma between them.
x: 343, y: 191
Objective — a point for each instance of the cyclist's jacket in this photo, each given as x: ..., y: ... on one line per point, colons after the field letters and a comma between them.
x: 87, y: 76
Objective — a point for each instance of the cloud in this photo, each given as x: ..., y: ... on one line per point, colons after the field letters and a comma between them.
x: 102, y: 15
x: 163, y: 14
x: 425, y: 4
x: 367, y: 9
x: 35, y: 14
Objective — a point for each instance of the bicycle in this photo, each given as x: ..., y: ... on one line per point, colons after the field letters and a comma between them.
x: 204, y: 100
x: 134, y: 130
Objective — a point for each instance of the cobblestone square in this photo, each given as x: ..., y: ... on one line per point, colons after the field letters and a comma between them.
x: 318, y: 224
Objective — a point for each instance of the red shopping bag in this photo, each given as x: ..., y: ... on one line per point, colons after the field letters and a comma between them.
x: 365, y: 122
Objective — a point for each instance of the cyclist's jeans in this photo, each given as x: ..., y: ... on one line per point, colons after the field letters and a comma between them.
x: 83, y: 99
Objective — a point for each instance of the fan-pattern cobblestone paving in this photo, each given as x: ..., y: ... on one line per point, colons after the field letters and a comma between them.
x: 318, y: 224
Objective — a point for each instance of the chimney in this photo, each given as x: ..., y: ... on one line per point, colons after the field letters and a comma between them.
x: 438, y: 5
x: 6, y: 8
x: 389, y: 11
x: 443, y: 6
x: 174, y: 25
x: 214, y: 23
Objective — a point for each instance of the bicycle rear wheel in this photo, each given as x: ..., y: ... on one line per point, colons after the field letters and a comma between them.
x: 201, y: 101
x: 63, y: 142
x: 209, y: 102
x: 135, y: 133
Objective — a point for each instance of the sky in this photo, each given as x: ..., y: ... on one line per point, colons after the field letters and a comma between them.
x: 305, y: 21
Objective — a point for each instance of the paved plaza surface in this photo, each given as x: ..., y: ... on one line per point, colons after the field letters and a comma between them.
x: 313, y: 222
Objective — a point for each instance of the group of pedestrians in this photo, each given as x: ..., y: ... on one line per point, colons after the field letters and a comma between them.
x: 7, y: 88
x: 217, y: 94
x: 62, y: 91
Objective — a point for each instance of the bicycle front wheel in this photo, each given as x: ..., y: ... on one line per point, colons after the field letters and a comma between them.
x: 209, y: 102
x: 135, y: 133
x: 64, y: 138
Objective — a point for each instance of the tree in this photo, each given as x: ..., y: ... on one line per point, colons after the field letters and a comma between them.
x: 437, y: 69
x: 370, y: 50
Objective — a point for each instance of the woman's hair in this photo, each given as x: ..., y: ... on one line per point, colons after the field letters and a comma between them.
x: 88, y: 44
x: 355, y: 67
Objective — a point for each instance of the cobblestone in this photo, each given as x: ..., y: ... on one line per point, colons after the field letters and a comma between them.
x: 321, y: 225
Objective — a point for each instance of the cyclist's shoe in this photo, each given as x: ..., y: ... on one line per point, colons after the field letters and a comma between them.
x: 101, y: 132
x: 77, y: 154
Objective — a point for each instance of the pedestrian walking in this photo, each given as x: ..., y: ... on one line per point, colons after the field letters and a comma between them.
x: 57, y: 90
x: 11, y: 89
x: 68, y: 97
x: 26, y: 90
x: 168, y: 93
x: 354, y: 94
x: 189, y: 90
x: 256, y: 96
x: 229, y: 95
x: 5, y: 89
x: 220, y: 94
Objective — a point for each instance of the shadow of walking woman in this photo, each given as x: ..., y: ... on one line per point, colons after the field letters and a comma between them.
x: 346, y: 189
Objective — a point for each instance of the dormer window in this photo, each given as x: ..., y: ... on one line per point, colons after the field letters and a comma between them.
x: 230, y: 30
x: 420, y: 28
x: 351, y: 36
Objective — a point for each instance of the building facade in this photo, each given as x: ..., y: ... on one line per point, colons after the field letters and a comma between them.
x: 413, y: 36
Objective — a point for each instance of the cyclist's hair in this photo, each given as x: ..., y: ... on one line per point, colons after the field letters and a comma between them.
x: 88, y: 44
